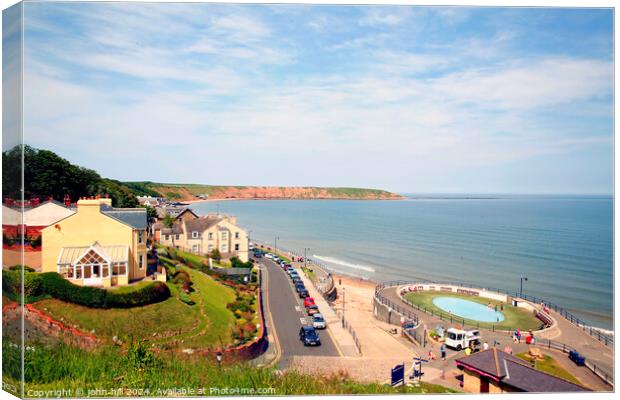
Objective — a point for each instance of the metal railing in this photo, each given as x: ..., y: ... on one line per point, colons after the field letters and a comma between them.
x: 564, y: 348
x: 350, y: 329
x: 606, y: 339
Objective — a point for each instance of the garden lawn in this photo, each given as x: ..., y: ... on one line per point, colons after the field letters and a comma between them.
x: 550, y: 366
x: 207, y: 323
x: 513, y: 317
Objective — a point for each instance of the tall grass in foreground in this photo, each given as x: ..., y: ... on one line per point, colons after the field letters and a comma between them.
x: 139, y: 371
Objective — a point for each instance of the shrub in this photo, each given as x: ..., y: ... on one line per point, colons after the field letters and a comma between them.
x: 186, y: 299
x: 235, y: 262
x: 215, y: 255
x: 19, y: 267
x: 58, y: 287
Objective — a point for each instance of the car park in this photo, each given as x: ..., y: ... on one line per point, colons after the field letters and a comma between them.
x: 303, y: 293
x: 309, y: 336
x: 318, y: 321
x: 312, y: 309
x: 308, y: 301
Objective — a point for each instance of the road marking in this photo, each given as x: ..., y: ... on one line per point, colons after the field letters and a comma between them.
x: 298, y: 308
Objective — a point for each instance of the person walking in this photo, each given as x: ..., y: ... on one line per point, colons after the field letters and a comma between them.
x: 519, y: 335
x: 442, y: 349
x: 485, y: 346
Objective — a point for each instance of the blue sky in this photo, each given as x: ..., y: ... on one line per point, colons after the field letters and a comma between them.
x: 403, y: 98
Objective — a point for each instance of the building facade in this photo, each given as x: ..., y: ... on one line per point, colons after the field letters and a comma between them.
x: 98, y: 245
x: 201, y: 235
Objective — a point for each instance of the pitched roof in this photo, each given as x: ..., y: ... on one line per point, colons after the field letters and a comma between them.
x: 176, y: 228
x: 118, y: 253
x: 513, y: 371
x: 134, y: 217
x: 202, y: 224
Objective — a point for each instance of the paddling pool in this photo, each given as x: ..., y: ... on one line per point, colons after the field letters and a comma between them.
x: 468, y: 309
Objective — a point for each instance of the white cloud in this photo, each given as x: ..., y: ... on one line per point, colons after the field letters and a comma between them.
x: 385, y: 16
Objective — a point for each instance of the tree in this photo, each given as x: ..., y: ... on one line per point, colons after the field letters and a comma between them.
x: 215, y: 255
x: 47, y: 174
x: 168, y: 222
x: 151, y: 213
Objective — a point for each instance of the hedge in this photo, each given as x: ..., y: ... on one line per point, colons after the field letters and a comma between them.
x: 54, y: 285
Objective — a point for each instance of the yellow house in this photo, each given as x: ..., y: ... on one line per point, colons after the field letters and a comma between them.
x: 98, y: 245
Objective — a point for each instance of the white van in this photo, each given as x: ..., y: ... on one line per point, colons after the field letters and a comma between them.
x: 459, y: 339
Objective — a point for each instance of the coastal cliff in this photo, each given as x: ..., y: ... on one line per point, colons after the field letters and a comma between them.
x: 189, y: 192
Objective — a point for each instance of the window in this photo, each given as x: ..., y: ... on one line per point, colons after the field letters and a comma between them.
x: 141, y: 262
x: 194, y: 235
x: 236, y: 235
x: 210, y: 235
x: 224, y: 248
x: 210, y: 247
x: 140, y: 236
x: 195, y: 248
x: 237, y: 247
x: 224, y: 235
x: 167, y: 237
x: 176, y: 237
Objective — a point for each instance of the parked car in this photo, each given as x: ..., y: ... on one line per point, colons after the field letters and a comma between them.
x: 308, y: 301
x: 296, y: 280
x: 299, y: 286
x: 303, y: 293
x: 269, y: 256
x: 312, y: 309
x: 309, y: 336
x: 318, y: 321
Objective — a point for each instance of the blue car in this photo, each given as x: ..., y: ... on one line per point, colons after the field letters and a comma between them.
x: 309, y: 337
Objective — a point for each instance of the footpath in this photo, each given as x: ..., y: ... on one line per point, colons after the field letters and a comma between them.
x: 341, y: 336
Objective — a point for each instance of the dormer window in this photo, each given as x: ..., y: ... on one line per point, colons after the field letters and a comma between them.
x: 194, y: 235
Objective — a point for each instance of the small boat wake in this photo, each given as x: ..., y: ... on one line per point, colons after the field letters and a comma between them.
x: 336, y: 261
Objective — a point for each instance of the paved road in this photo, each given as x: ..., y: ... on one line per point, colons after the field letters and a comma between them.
x: 287, y: 311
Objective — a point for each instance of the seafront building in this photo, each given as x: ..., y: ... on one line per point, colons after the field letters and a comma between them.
x: 98, y: 245
x: 201, y: 235
x: 495, y: 371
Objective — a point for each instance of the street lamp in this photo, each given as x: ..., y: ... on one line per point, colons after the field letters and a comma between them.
x: 343, y: 304
x: 523, y: 278
x: 305, y: 257
x: 275, y: 244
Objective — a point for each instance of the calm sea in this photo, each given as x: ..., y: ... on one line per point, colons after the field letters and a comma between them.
x: 562, y: 244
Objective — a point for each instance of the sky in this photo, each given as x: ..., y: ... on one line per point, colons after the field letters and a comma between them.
x: 409, y: 99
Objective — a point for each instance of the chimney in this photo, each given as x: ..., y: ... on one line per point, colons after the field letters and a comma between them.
x: 67, y: 200
x: 91, y: 204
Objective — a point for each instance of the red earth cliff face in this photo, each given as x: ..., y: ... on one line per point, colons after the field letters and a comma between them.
x: 297, y: 193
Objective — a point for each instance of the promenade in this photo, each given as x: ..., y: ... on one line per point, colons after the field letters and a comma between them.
x: 564, y: 332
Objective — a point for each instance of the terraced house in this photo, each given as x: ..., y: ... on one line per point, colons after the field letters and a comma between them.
x: 98, y: 245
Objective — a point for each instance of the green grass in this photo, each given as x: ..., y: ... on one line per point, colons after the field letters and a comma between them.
x: 64, y: 367
x: 550, y: 366
x: 208, y: 323
x: 513, y: 317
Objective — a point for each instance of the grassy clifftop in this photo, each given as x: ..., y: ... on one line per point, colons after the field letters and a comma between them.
x: 186, y: 192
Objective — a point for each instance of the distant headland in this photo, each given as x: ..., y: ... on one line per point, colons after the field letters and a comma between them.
x: 195, y: 192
